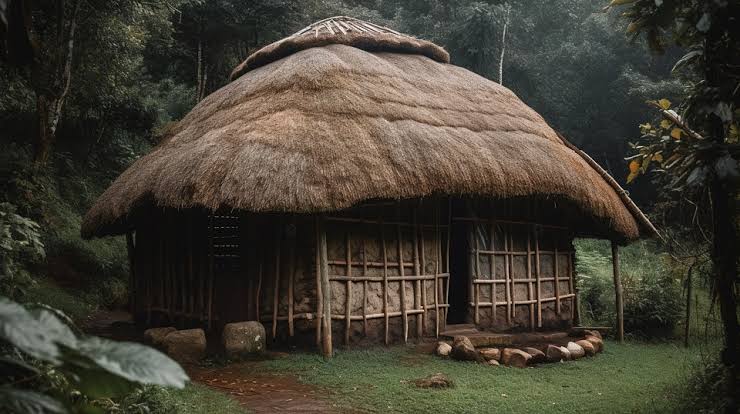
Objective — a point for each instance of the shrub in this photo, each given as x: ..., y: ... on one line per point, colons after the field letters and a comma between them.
x: 652, y: 294
x: 706, y: 390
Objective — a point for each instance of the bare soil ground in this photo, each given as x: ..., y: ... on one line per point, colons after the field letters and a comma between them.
x: 242, y: 381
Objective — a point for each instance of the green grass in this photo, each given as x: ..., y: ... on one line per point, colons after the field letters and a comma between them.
x: 193, y: 399
x: 634, y: 377
x: 73, y: 304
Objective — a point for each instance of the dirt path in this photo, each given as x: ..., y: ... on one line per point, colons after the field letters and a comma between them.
x: 258, y: 392
x: 264, y: 393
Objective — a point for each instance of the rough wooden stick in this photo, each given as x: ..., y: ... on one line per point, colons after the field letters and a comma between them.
x: 385, y: 281
x: 448, y: 227
x: 364, y: 287
x: 537, y: 275
x: 492, y: 263
x: 348, y: 296
x: 259, y: 288
x: 291, y: 276
x: 476, y: 267
x: 437, y: 249
x: 276, y: 291
x: 511, y: 279
x: 403, y: 286
x: 557, y: 280
x: 417, y: 283
x: 319, y: 295
x: 507, y: 290
x: 209, y: 298
x: 618, y: 292
x: 530, y: 289
x: 326, y: 291
x: 422, y: 259
x: 131, y: 250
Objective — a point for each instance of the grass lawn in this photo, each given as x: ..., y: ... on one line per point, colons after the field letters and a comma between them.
x: 634, y: 377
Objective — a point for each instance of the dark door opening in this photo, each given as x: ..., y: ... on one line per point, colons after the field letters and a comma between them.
x: 459, y: 266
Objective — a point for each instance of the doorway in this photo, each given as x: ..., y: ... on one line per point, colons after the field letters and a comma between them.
x: 459, y: 265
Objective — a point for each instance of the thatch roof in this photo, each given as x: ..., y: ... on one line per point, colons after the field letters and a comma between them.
x: 315, y: 127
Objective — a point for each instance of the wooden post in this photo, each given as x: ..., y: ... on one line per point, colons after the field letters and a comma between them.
x: 325, y: 291
x: 131, y: 250
x: 404, y: 313
x: 417, y: 283
x: 276, y: 291
x: 348, y: 303
x: 618, y: 292
x: 319, y: 295
x: 385, y: 281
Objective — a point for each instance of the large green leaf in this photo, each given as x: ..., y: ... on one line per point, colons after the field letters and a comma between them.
x: 28, y: 402
x: 37, y: 337
x: 134, y: 362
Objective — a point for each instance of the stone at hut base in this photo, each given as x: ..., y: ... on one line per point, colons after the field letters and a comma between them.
x: 576, y: 351
x: 437, y: 380
x: 512, y: 357
x: 596, y: 342
x: 588, y: 347
x: 185, y: 346
x: 155, y: 336
x: 241, y: 339
x: 537, y: 355
x: 490, y: 354
x: 493, y: 362
x: 593, y: 332
x: 443, y: 349
x: 566, y: 353
x: 554, y: 353
x: 463, y: 349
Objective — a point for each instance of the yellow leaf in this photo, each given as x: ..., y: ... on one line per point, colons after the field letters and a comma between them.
x: 634, y: 166
x: 645, y: 164
x: 665, y: 124
x: 664, y: 103
x: 676, y: 133
x: 632, y: 176
x: 658, y: 157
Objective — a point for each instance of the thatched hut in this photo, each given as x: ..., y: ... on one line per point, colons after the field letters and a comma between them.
x: 351, y: 183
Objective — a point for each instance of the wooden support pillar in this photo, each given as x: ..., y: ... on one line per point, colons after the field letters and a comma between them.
x: 325, y: 291
x: 618, y: 292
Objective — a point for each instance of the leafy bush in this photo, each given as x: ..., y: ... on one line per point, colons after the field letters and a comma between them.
x: 66, y: 372
x: 707, y: 390
x: 652, y: 294
x: 20, y: 248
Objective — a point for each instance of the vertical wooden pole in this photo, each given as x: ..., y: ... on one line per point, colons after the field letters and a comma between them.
x: 326, y: 292
x: 423, y: 266
x: 437, y: 268
x: 557, y: 279
x: 507, y: 274
x: 258, y: 292
x: 618, y: 292
x: 364, y: 286
x: 131, y: 250
x: 571, y: 280
x: 276, y: 291
x: 492, y: 263
x: 211, y: 264
x: 537, y: 270
x: 530, y: 288
x: 417, y: 283
x: 319, y: 294
x: 404, y: 314
x: 385, y: 281
x: 348, y: 295
x: 476, y: 274
x: 291, y: 277
x: 447, y: 259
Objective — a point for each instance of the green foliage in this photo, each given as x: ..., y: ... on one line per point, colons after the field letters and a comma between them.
x: 20, y: 247
x: 652, y: 295
x: 706, y: 389
x: 93, y: 367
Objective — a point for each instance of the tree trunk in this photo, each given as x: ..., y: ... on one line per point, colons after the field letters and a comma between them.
x: 51, y: 82
x: 503, y: 46
x: 725, y: 256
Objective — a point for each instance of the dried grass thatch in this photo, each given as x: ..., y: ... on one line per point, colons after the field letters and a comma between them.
x: 325, y: 128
